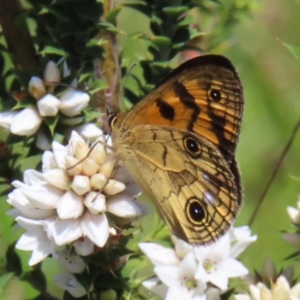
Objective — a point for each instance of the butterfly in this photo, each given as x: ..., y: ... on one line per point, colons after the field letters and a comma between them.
x: 179, y: 144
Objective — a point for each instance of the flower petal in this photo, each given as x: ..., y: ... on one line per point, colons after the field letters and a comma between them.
x: 70, y: 206
x: 95, y: 202
x: 43, y: 196
x: 159, y: 255
x: 123, y: 206
x: 6, y: 118
x: 84, y: 246
x: 26, y: 122
x: 66, y: 231
x: 95, y: 227
x: 70, y: 261
x: 69, y: 283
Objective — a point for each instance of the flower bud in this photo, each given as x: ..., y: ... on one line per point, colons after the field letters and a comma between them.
x: 114, y: 187
x: 81, y: 184
x: 98, y: 181
x: 89, y: 167
x: 74, y: 168
x: 108, y: 167
x: 51, y: 73
x: 73, y: 102
x: 36, y: 87
x: 89, y: 131
x: 48, y: 106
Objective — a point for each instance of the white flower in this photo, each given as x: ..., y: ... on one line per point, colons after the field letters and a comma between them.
x: 280, y: 290
x: 51, y: 73
x: 63, y: 204
x: 183, y: 272
x: 216, y: 265
x: 70, y: 261
x: 26, y: 122
x: 69, y: 282
x: 73, y: 102
x: 35, y: 239
x: 294, y: 213
x: 241, y: 239
x: 155, y: 287
x: 181, y: 279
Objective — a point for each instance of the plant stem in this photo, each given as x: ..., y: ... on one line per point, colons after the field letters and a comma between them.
x: 17, y: 36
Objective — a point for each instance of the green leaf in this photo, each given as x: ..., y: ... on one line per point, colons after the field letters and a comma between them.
x: 51, y: 123
x: 97, y: 85
x: 111, y: 18
x: 4, y: 279
x: 187, y: 21
x: 110, y: 27
x: 27, y: 101
x: 36, y: 278
x: 13, y: 262
x: 295, y: 50
x: 53, y: 50
x: 90, y: 115
x: 68, y: 296
x: 91, y: 12
x: 175, y: 11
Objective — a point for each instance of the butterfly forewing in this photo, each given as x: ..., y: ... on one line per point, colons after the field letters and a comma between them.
x: 204, y: 95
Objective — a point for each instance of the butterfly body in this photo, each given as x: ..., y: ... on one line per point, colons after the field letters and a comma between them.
x: 179, y: 144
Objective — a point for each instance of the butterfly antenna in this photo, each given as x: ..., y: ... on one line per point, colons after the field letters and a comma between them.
x: 273, y: 175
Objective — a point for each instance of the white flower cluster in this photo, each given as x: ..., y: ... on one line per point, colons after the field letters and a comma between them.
x: 280, y: 290
x: 185, y: 273
x: 27, y: 121
x: 66, y: 203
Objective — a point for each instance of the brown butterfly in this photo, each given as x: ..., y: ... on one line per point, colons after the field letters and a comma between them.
x: 179, y: 143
